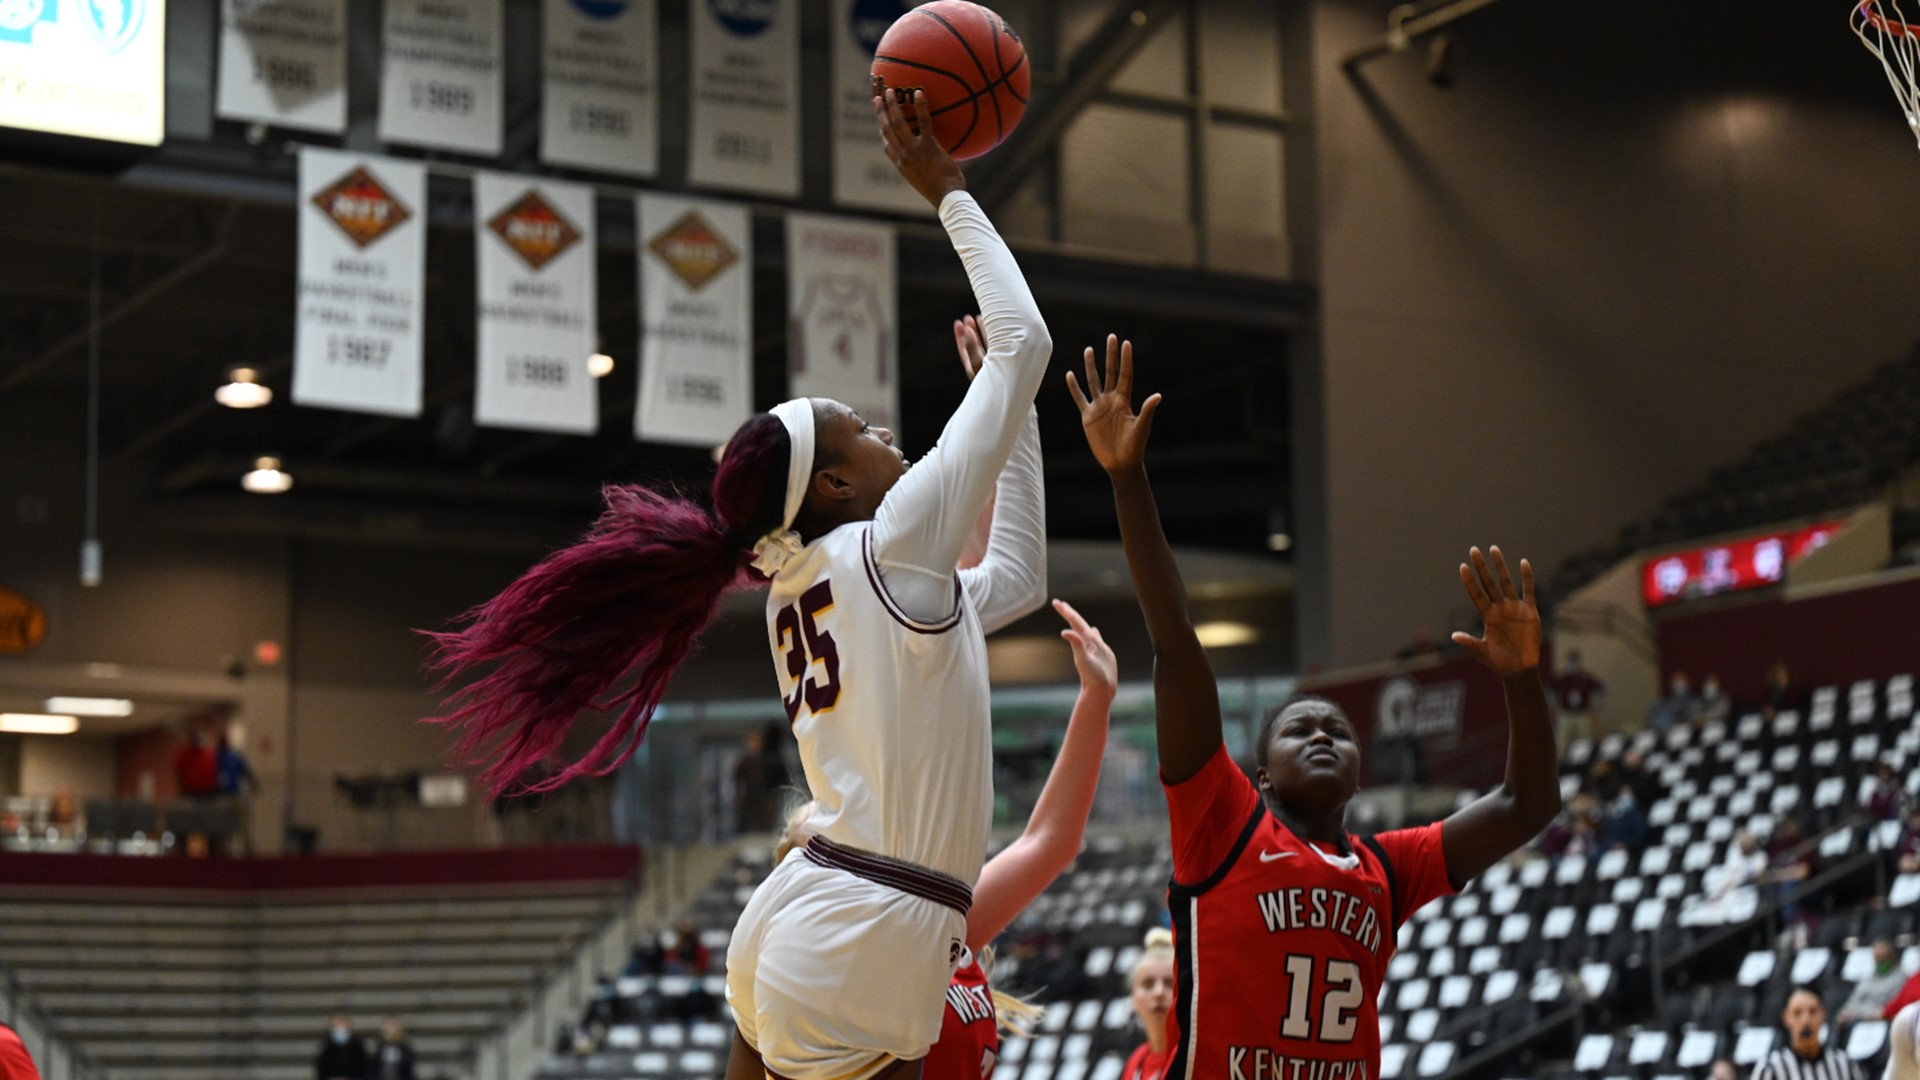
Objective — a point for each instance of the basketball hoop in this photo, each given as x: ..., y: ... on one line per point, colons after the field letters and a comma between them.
x: 1896, y: 44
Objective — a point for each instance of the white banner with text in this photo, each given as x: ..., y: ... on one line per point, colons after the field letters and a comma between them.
x: 537, y: 323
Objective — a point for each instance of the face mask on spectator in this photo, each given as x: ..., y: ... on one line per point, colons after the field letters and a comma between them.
x: 341, y: 1035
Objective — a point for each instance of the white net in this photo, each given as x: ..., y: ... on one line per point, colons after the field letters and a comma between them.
x: 1883, y: 28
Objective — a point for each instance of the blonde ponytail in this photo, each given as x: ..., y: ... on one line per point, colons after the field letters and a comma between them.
x: 1015, y: 1015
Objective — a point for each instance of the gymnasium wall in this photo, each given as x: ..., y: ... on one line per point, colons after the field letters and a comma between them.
x: 1628, y: 242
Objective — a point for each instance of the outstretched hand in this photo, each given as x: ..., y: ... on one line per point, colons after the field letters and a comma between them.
x: 1091, y: 657
x: 911, y: 144
x: 971, y: 343
x: 1116, y: 434
x: 1511, y: 643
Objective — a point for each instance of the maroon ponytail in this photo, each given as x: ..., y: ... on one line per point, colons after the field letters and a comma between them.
x: 629, y: 599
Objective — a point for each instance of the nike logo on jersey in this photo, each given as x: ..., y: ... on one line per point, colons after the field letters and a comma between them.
x: 1274, y: 856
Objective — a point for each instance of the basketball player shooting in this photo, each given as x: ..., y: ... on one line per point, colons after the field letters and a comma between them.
x: 1268, y: 885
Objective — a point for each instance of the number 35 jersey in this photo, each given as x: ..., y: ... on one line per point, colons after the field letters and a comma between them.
x: 891, y: 713
x: 1281, y: 946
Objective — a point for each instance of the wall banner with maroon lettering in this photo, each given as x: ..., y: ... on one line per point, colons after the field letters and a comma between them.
x: 841, y: 303
x: 696, y: 320
x: 284, y: 63
x: 538, y: 326
x: 744, y: 85
x: 601, y: 76
x: 440, y: 75
x: 363, y: 228
x: 862, y: 175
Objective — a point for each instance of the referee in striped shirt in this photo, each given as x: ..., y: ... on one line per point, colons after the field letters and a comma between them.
x: 1805, y: 1057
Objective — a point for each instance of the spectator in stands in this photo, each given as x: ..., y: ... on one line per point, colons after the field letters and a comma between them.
x: 1152, y: 1000
x: 1578, y: 695
x: 1908, y: 853
x: 1793, y: 861
x: 688, y: 955
x: 1746, y: 864
x: 647, y: 958
x: 393, y: 1057
x: 1779, y: 686
x: 1677, y: 707
x: 1714, y: 707
x: 1634, y: 777
x: 15, y: 1062
x: 342, y: 1055
x: 1805, y: 1057
x: 196, y: 766
x: 1873, y: 994
x: 1722, y: 1069
x: 758, y: 777
x: 1626, y: 826
x: 234, y: 774
x: 1881, y: 795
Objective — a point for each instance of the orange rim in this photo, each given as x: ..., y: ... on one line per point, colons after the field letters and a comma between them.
x: 1869, y: 10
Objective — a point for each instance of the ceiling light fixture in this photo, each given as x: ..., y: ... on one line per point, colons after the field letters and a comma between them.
x: 600, y: 364
x: 26, y: 723
x: 244, y: 390
x: 1225, y: 635
x: 90, y: 706
x: 267, y: 477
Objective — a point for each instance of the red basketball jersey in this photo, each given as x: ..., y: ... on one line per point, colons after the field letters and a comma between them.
x: 969, y: 1045
x: 1280, y: 946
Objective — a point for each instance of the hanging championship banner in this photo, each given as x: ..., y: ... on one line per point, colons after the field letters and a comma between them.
x: 745, y: 77
x: 284, y: 63
x: 601, y: 68
x: 862, y: 175
x: 696, y: 320
x: 363, y: 230
x: 440, y: 82
x: 536, y: 304
x: 841, y: 302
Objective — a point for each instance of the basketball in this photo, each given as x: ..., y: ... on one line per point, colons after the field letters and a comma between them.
x: 971, y: 66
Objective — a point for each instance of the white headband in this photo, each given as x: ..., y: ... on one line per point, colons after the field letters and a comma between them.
x: 775, y: 549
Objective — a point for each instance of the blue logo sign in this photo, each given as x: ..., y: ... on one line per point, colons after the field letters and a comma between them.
x: 870, y: 19
x: 114, y: 23
x: 601, y: 9
x: 19, y: 17
x: 747, y: 18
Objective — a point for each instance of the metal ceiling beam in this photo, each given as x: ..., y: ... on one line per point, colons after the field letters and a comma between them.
x: 147, y: 294
x: 1410, y: 21
x: 1125, y: 30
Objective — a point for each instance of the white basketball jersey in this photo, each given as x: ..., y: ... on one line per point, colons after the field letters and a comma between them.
x: 891, y: 714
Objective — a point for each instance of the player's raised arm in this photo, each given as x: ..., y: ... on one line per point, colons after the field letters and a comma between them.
x: 1014, y: 878
x: 1498, y: 823
x: 1007, y: 578
x: 921, y: 528
x: 1186, y: 699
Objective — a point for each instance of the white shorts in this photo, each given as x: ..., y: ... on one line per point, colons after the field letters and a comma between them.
x: 832, y: 977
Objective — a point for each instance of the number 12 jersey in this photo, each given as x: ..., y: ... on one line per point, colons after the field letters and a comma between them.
x: 1281, y: 946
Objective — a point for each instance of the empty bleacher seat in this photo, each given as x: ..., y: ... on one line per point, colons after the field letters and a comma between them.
x: 1751, y: 1044
x: 1867, y: 1039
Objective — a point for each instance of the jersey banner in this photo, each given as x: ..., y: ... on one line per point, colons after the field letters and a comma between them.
x: 696, y: 320
x: 745, y: 91
x: 862, y: 175
x: 440, y: 77
x: 841, y: 304
x: 600, y: 108
x: 363, y: 231
x: 535, y: 304
x: 284, y: 63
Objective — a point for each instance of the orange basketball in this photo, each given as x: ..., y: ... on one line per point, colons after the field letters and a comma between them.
x: 971, y: 66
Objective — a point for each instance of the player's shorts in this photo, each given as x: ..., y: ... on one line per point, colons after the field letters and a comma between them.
x: 840, y: 963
